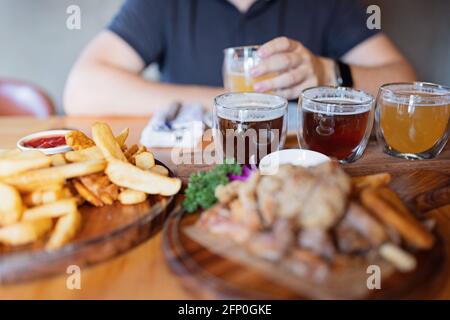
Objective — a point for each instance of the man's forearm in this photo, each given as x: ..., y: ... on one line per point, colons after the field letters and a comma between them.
x: 371, y: 78
x: 97, y: 89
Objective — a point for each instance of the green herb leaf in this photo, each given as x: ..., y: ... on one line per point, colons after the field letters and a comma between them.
x: 202, y: 185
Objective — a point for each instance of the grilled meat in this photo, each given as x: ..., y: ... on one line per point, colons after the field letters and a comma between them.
x: 365, y: 224
x: 318, y: 241
x: 272, y: 245
x: 316, y: 198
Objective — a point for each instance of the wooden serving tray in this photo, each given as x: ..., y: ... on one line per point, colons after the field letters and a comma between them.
x: 105, y: 233
x: 208, y: 274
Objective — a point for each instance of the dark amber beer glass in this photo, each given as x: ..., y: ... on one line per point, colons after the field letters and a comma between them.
x: 248, y: 126
x: 335, y: 121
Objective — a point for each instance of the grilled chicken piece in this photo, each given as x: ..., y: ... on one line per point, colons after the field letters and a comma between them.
x: 332, y: 171
x: 325, y: 206
x: 342, y: 262
x: 247, y: 192
x: 359, y: 232
x: 267, y: 201
x: 327, y: 202
x: 316, y: 198
x: 249, y: 218
x: 318, y: 241
x: 213, y: 215
x: 217, y: 220
x: 227, y: 193
x: 350, y: 241
x: 272, y: 245
x: 306, y: 263
x: 364, y: 223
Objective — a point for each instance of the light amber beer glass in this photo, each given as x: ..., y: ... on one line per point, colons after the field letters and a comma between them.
x: 413, y: 119
x: 237, y: 65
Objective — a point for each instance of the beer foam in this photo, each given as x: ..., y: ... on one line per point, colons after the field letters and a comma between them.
x: 418, y: 102
x: 250, y: 113
x: 336, y: 106
x: 418, y: 97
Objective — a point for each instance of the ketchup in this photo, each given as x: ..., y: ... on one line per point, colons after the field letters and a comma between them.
x: 46, y: 142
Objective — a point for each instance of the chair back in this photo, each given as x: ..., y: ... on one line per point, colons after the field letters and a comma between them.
x: 19, y: 98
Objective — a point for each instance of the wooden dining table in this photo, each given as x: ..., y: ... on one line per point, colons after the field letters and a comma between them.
x: 142, y: 272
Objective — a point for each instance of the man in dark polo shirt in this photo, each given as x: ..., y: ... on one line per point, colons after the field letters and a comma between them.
x: 307, y: 42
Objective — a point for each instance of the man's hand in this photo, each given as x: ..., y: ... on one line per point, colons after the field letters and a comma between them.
x: 296, y: 66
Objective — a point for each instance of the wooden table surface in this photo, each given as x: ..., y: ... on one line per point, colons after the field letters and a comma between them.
x: 142, y: 272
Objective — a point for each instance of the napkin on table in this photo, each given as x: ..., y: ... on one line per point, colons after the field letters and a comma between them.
x: 185, y: 131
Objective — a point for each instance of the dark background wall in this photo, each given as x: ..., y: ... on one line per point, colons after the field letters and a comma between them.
x: 36, y: 45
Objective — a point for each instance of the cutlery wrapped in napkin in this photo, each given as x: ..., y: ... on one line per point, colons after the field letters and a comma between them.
x: 179, y: 125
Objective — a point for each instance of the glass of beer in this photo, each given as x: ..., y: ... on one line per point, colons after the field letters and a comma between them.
x: 237, y: 65
x: 335, y: 121
x: 412, y: 119
x: 248, y: 126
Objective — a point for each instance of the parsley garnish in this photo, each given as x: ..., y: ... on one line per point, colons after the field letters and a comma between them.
x: 201, y: 186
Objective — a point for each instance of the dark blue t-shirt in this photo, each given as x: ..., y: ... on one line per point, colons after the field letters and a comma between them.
x: 187, y: 37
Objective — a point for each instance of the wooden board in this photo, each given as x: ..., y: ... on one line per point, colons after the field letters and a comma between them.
x: 373, y: 160
x: 105, y: 233
x: 209, y: 275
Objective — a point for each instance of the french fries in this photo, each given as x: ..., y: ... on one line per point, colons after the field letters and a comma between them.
x: 77, y: 140
x: 10, y: 205
x: 160, y: 170
x: 41, y: 185
x: 8, y: 153
x: 106, y: 142
x: 370, y: 181
x: 129, y: 197
x: 92, y: 153
x: 394, y: 201
x: 25, y: 232
x: 38, y: 197
x: 87, y: 195
x: 41, y: 194
x: 131, y: 151
x: 126, y: 175
x: 51, y: 210
x: 402, y: 260
x: 67, y: 171
x: 387, y: 206
x: 65, y: 229
x: 58, y: 159
x: 145, y: 161
x: 20, y: 162
x: 407, y: 226
x: 122, y: 137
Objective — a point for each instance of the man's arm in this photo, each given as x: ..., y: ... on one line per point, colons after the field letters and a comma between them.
x: 377, y: 61
x: 106, y: 80
x: 373, y: 62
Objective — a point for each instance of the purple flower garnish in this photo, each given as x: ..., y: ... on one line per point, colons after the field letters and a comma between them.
x: 246, y: 173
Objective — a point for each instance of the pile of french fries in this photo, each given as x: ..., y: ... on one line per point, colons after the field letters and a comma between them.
x: 390, y: 210
x: 40, y: 195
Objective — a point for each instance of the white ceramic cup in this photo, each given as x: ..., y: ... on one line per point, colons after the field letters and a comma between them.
x: 298, y: 157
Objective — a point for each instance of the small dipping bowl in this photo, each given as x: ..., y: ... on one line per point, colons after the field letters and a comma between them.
x: 298, y: 157
x: 21, y: 144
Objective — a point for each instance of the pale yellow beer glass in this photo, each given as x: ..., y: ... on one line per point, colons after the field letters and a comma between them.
x: 238, y: 62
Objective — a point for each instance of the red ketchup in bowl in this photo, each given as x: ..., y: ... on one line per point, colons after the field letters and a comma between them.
x: 46, y: 142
